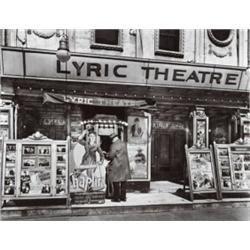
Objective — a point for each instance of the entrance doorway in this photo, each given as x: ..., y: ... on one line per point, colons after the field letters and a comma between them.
x: 168, y: 155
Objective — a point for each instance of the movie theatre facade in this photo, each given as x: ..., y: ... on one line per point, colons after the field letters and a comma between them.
x: 150, y: 103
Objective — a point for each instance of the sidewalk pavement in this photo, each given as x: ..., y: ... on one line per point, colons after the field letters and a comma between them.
x: 161, y: 198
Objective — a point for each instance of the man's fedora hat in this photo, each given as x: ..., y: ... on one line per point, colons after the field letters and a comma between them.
x: 113, y: 135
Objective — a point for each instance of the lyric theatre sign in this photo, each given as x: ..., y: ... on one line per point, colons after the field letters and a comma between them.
x: 120, y: 71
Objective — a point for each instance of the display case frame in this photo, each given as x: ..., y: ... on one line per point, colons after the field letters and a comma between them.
x: 201, y: 180
x: 42, y: 172
x: 238, y: 167
x: 139, y: 146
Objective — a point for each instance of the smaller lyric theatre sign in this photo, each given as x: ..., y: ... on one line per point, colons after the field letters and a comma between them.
x: 121, y: 71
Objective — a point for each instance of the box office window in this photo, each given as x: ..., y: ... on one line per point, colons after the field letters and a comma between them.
x: 109, y: 39
x: 169, y: 43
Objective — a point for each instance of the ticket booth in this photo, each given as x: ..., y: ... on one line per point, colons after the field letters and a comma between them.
x: 88, y: 182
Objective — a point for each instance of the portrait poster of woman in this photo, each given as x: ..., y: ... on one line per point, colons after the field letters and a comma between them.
x: 87, y: 165
x: 137, y: 129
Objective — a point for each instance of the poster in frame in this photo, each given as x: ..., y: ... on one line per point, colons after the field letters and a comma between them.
x: 4, y: 133
x: 201, y: 133
x: 223, y: 166
x: 201, y: 171
x: 138, y: 161
x: 4, y: 119
x: 137, y: 129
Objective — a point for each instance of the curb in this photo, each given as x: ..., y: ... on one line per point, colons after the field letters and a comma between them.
x: 37, y: 213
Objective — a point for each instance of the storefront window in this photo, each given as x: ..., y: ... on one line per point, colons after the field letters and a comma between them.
x: 107, y: 39
x: 169, y: 43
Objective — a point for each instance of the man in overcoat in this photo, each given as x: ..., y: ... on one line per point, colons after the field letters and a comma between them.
x: 119, y: 171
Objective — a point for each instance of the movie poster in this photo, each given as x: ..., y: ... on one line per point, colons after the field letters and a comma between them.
x: 202, y: 175
x: 138, y: 161
x: 137, y: 130
x: 138, y: 146
x: 36, y: 170
x: 86, y: 178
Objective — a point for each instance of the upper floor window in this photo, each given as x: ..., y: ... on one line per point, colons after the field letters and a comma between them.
x: 169, y: 43
x: 221, y: 38
x: 107, y: 39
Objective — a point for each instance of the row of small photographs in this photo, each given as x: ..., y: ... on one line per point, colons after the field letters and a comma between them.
x: 238, y: 175
x: 11, y: 172
x: 242, y: 184
x: 240, y: 157
x: 242, y: 176
x: 31, y: 162
x: 42, y: 162
x: 31, y: 150
x: 11, y: 148
x: 238, y: 166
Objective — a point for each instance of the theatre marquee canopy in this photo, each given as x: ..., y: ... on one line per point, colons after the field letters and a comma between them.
x: 95, y: 101
x: 101, y: 69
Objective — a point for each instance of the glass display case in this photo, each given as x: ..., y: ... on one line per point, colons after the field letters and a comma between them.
x: 200, y: 127
x: 233, y: 163
x: 35, y: 168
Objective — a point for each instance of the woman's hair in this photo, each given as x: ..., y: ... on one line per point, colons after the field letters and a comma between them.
x: 92, y: 132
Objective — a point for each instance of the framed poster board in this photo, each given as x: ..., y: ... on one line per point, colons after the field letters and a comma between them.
x: 201, y: 171
x: 138, y: 147
x: 233, y: 164
x: 35, y: 169
x: 4, y: 124
x: 137, y: 129
x: 9, y: 174
x: 240, y: 158
x: 224, y: 166
x: 138, y: 161
x: 35, y: 176
x: 200, y: 128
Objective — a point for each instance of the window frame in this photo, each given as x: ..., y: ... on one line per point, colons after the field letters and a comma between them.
x: 220, y: 43
x: 170, y: 53
x: 118, y: 47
